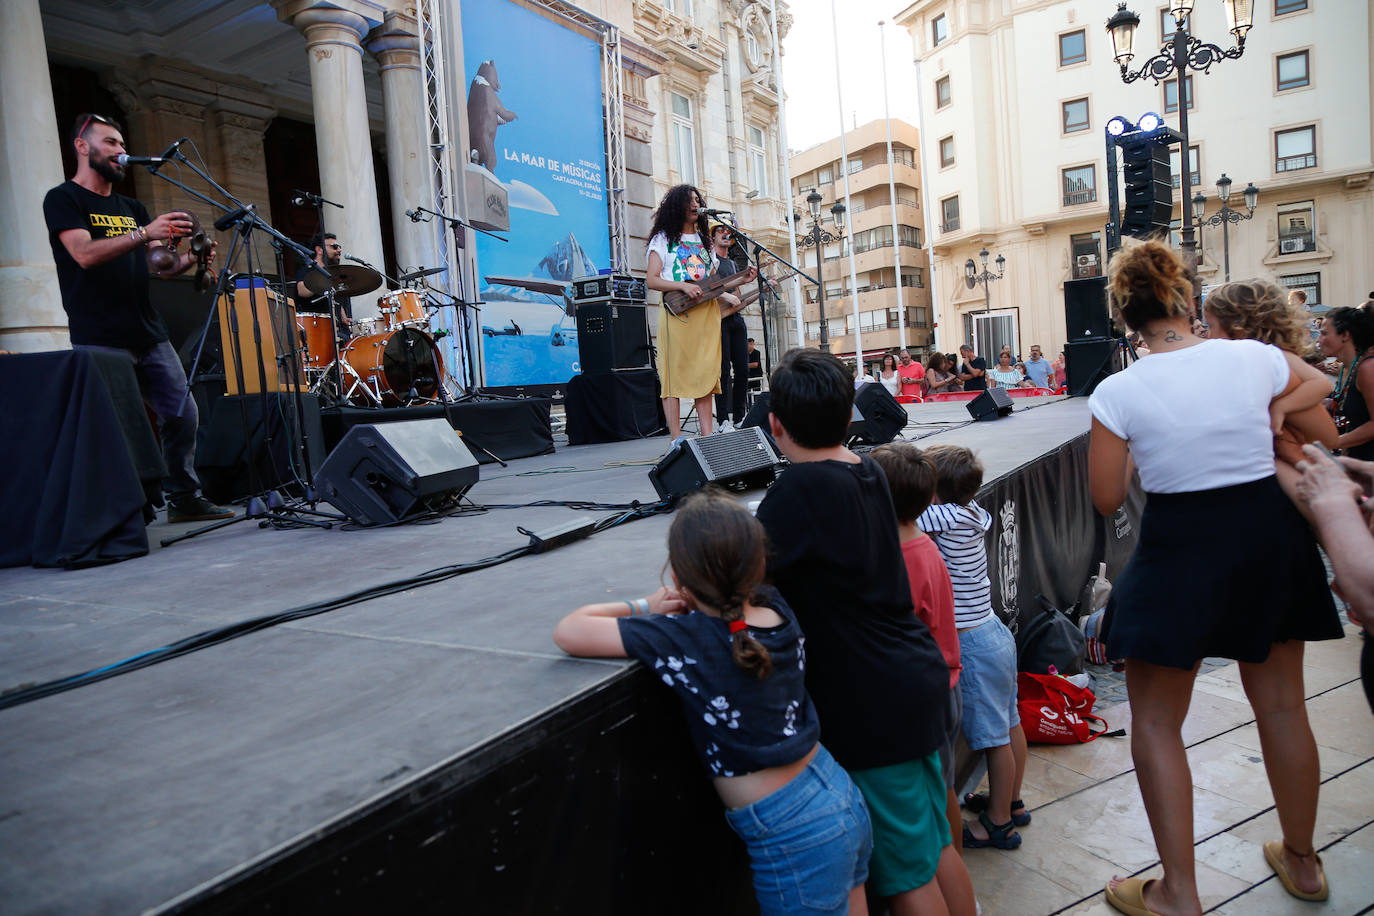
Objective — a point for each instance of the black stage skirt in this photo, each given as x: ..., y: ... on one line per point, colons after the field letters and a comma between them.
x: 1220, y: 573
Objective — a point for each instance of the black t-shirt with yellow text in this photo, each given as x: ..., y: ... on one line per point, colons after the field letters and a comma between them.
x: 106, y: 305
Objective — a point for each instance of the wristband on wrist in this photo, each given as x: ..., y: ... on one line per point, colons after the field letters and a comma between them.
x: 639, y: 607
x: 140, y: 235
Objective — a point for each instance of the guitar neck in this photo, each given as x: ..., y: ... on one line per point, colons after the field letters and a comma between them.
x: 678, y: 302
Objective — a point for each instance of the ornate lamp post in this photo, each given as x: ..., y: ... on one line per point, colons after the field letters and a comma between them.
x: 818, y: 237
x: 1226, y: 215
x: 972, y: 276
x: 1183, y: 53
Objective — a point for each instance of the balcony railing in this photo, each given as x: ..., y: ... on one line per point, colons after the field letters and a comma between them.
x: 1083, y: 196
x: 950, y: 225
x: 1297, y: 242
x: 1293, y: 163
x: 1194, y: 179
x: 908, y: 202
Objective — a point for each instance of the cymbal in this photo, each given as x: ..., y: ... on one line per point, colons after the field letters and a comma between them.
x: 353, y: 279
x: 420, y: 272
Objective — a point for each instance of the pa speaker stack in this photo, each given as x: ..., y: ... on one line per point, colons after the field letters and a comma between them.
x: 1091, y: 347
x: 612, y: 328
x: 385, y: 473
x: 743, y: 457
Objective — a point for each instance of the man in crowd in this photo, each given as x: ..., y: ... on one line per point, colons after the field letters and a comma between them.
x: 911, y: 372
x: 100, y: 241
x: 755, y: 362
x: 1038, y: 369
x: 973, y: 370
x: 328, y: 254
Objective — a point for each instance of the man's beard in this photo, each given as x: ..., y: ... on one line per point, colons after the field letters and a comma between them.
x: 333, y: 260
x: 107, y: 168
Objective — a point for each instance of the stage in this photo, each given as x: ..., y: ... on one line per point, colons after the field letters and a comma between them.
x: 428, y: 750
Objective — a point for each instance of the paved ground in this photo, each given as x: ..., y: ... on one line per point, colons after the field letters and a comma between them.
x: 1090, y: 823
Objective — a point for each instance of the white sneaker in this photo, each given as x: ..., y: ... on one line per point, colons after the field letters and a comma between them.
x: 726, y: 426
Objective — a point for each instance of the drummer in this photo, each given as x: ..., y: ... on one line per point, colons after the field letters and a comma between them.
x: 328, y: 254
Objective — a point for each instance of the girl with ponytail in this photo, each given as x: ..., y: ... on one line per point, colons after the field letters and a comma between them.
x: 1224, y: 565
x: 731, y: 650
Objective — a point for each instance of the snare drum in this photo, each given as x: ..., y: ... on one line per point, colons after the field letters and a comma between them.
x: 366, y: 327
x: 392, y: 362
x: 403, y: 308
x: 319, y: 340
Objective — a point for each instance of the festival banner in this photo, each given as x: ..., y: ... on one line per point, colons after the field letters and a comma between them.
x: 535, y: 126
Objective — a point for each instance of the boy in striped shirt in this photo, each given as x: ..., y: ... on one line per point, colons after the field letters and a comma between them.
x: 987, y: 650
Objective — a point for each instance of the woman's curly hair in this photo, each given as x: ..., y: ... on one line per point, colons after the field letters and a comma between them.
x: 1259, y: 310
x: 1146, y: 281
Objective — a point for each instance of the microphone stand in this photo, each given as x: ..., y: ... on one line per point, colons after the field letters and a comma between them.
x: 758, y: 250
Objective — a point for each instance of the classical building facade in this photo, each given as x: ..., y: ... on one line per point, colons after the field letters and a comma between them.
x: 894, y: 304
x: 1015, y: 99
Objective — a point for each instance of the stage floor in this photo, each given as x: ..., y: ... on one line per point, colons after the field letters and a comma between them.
x: 129, y: 793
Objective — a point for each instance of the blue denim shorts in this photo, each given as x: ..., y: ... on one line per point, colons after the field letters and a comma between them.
x: 987, y: 684
x: 808, y: 842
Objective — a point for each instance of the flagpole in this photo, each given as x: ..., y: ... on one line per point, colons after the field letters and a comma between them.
x: 892, y: 196
x: 844, y: 168
x: 786, y: 173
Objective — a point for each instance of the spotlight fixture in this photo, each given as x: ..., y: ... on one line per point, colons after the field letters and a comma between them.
x: 1149, y: 122
x: 1118, y: 126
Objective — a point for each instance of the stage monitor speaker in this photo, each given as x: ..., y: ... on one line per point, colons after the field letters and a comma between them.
x: 1088, y: 362
x: 757, y: 417
x: 384, y: 473
x: 992, y: 404
x: 743, y: 455
x: 883, y: 417
x: 612, y: 336
x: 1085, y: 308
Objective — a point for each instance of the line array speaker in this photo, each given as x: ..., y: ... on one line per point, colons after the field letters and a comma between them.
x: 1085, y: 308
x: 387, y: 472
x: 992, y: 404
x: 743, y: 455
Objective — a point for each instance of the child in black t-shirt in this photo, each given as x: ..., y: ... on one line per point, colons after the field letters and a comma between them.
x: 878, y: 679
x: 732, y: 653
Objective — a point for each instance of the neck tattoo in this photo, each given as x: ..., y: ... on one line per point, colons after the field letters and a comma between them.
x: 1171, y: 335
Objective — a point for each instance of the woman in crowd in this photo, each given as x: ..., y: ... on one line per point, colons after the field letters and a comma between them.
x: 1004, y: 374
x: 1195, y: 419
x: 938, y: 375
x: 1348, y: 335
x: 1060, y: 372
x: 889, y: 377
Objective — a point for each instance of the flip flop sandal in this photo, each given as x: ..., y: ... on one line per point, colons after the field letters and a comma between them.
x: 1129, y: 897
x: 1273, y: 854
x: 977, y: 802
x: 1000, y: 836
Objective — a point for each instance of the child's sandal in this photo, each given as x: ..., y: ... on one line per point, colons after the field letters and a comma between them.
x: 977, y: 802
x: 1000, y: 836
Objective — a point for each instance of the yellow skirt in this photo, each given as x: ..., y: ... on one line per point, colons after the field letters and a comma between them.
x: 689, y: 351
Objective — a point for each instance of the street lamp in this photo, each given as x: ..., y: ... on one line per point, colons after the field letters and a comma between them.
x: 1226, y: 215
x: 818, y: 237
x: 1181, y: 54
x: 972, y: 276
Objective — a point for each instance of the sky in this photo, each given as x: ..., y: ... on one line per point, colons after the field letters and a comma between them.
x: 813, y: 113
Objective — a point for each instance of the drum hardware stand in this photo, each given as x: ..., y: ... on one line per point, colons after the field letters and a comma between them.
x: 264, y: 505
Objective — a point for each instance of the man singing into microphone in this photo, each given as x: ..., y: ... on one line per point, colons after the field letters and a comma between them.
x: 99, y: 240
x: 328, y: 254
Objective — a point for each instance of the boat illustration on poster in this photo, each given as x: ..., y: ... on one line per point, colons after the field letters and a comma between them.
x: 527, y: 333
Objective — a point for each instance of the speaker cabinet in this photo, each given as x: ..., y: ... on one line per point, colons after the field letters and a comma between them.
x: 612, y: 336
x: 743, y: 456
x: 384, y: 473
x: 1085, y: 308
x: 757, y: 417
x: 1087, y: 363
x: 883, y: 418
x: 992, y: 404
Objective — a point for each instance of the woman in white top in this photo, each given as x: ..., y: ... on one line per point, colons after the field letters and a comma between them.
x: 1224, y: 566
x: 891, y: 381
x: 1004, y: 374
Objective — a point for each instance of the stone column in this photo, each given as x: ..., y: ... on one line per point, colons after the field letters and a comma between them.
x: 31, y: 315
x: 397, y: 49
x: 334, y: 44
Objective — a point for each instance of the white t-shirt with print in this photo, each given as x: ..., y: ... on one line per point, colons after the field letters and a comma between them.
x: 689, y: 262
x: 1196, y: 418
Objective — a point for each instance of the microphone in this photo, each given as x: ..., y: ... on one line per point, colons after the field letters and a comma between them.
x: 417, y: 216
x: 299, y: 201
x: 228, y: 219
x: 126, y: 159
x: 716, y: 212
x: 171, y: 151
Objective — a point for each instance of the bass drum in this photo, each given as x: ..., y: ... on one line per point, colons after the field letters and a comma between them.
x: 393, y: 363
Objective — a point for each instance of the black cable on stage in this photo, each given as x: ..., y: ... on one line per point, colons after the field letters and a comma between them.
x: 219, y: 635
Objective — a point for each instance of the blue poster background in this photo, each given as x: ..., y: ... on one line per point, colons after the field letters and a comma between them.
x: 536, y: 85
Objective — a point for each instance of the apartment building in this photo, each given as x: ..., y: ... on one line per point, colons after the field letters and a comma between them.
x: 1015, y: 98
x: 894, y: 305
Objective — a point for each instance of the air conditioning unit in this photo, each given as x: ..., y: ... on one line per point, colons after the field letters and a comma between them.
x: 1291, y: 246
x: 1087, y: 260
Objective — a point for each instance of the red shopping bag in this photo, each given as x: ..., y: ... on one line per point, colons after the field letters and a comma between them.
x: 1056, y: 711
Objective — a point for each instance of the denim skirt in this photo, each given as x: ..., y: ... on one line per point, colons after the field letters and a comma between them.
x: 808, y: 842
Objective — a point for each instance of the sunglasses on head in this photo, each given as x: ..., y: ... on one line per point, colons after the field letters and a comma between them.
x: 99, y: 119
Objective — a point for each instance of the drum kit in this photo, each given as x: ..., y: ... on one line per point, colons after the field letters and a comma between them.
x: 391, y: 360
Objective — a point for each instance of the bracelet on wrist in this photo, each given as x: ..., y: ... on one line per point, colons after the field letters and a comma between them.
x: 140, y: 235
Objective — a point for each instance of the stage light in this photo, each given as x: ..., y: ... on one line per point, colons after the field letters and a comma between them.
x: 1118, y: 126
x: 1149, y: 122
